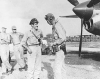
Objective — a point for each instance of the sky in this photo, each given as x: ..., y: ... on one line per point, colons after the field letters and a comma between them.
x: 19, y: 13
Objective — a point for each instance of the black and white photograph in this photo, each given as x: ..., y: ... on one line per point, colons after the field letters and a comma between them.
x: 49, y: 39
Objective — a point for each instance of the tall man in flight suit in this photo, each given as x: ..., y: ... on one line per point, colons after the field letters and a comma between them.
x: 31, y: 41
x: 18, y: 49
x: 60, y: 37
x: 4, y: 50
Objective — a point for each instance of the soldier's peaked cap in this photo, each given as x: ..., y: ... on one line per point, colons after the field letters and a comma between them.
x: 13, y: 27
x: 34, y: 20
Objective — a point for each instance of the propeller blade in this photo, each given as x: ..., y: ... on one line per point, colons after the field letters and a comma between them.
x: 74, y: 2
x: 70, y: 16
x: 80, y: 44
x: 92, y: 3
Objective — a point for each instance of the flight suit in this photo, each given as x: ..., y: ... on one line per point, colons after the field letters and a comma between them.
x: 4, y: 51
x: 18, y: 49
x: 59, y: 31
x: 34, y: 59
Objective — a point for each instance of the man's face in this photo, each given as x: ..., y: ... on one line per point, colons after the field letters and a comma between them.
x: 50, y: 22
x: 35, y: 26
x: 14, y: 30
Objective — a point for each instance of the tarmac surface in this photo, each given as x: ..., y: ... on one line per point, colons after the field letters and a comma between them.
x: 86, y: 67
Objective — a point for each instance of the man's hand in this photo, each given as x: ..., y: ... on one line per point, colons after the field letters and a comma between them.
x: 29, y: 50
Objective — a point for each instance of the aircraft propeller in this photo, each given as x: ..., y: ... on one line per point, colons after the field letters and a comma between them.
x: 79, y: 14
x: 93, y: 2
x: 84, y: 11
x: 80, y: 43
x: 74, y: 2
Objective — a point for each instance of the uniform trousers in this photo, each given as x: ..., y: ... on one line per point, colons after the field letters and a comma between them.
x: 18, y: 53
x: 4, y: 53
x: 58, y: 65
x: 34, y: 62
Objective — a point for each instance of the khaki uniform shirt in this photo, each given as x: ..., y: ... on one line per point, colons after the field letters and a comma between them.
x: 4, y: 38
x: 59, y: 31
x: 16, y: 38
x: 29, y: 39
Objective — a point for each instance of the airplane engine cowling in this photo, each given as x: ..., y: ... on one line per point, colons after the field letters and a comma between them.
x: 93, y: 25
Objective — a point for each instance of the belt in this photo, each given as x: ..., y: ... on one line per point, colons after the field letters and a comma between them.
x: 34, y: 45
x: 16, y: 44
x: 4, y: 43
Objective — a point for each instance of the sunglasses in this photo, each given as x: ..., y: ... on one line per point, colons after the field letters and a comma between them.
x: 13, y: 29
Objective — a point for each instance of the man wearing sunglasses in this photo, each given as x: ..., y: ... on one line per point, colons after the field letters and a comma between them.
x: 31, y: 41
x: 18, y: 49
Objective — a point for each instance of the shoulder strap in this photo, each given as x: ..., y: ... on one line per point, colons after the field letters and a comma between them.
x: 34, y: 34
x: 39, y: 40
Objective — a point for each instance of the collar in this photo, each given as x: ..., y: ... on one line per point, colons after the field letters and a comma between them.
x: 56, y: 21
x: 32, y: 30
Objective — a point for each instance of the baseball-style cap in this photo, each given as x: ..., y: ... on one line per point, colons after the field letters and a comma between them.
x: 13, y: 27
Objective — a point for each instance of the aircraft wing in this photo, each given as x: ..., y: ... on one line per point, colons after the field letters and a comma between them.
x: 70, y: 16
x: 93, y: 2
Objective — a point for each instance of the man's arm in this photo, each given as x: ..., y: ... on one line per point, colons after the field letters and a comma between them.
x: 7, y: 40
x: 24, y: 43
x: 41, y: 35
x: 21, y: 35
x: 11, y: 39
x: 61, y: 31
x: 24, y: 40
x: 40, y: 38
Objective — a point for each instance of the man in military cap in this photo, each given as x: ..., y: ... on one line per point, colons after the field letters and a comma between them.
x: 4, y: 51
x: 18, y: 49
x: 31, y: 41
x: 60, y: 37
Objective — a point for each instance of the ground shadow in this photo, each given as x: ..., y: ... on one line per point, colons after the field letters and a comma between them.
x: 93, y: 56
x: 88, y: 55
x: 49, y: 69
x: 87, y: 58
